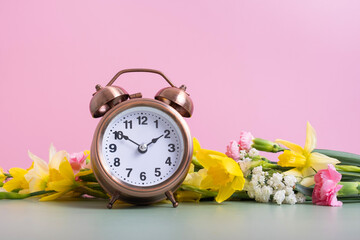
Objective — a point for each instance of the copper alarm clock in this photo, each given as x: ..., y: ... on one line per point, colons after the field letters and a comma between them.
x: 142, y: 147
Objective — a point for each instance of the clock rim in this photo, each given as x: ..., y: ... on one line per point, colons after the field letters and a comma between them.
x: 140, y: 194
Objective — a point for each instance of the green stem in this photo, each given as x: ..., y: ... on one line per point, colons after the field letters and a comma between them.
x: 91, y: 192
x: 204, y: 193
x: 13, y: 195
x: 88, y: 178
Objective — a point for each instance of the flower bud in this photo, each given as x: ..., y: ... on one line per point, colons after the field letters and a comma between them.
x: 266, y: 146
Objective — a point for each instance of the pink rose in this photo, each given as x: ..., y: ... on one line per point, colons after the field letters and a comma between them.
x: 232, y: 150
x: 326, y: 187
x: 77, y: 161
x: 246, y: 140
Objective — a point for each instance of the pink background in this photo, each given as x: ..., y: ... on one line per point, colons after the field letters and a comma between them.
x: 263, y: 66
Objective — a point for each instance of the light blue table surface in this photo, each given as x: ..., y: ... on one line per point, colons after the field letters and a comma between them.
x: 89, y: 219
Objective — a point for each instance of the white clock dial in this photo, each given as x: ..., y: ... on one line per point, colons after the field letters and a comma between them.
x: 142, y: 146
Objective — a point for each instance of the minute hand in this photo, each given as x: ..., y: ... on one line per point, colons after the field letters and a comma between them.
x: 154, y: 140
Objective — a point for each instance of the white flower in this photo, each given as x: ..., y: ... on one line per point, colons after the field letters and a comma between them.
x: 291, y: 199
x: 263, y: 194
x: 290, y: 180
x: 262, y: 180
x: 276, y: 181
x: 289, y: 191
x: 245, y: 165
x: 253, y: 152
x: 257, y: 170
x: 300, y: 198
x: 242, y: 154
x: 279, y: 196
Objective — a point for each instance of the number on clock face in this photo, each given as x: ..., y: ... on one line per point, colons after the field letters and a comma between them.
x: 142, y: 146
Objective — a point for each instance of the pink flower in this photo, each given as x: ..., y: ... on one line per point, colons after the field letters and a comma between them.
x: 232, y: 150
x: 77, y: 161
x: 326, y: 187
x: 246, y: 140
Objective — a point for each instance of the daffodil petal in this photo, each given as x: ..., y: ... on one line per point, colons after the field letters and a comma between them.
x: 62, y: 185
x: 238, y: 183
x: 295, y: 172
x: 17, y: 172
x: 292, y: 146
x: 40, y: 167
x: 206, y: 157
x: 307, y: 182
x: 52, y: 196
x: 193, y: 179
x: 57, y: 159
x: 225, y: 192
x: 196, y: 145
x: 207, y: 183
x: 308, y: 171
x: 40, y: 164
x: 231, y: 166
x: 320, y: 161
x: 310, y: 142
x: 84, y: 173
x: 11, y: 185
x: 66, y: 171
x: 52, y: 151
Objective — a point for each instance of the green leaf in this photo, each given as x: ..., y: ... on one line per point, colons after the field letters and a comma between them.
x: 344, y: 157
x: 307, y: 191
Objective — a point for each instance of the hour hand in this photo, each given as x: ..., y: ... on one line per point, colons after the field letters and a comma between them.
x: 128, y: 139
x: 120, y: 135
x: 154, y: 140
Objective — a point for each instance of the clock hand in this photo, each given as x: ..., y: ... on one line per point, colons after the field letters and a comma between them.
x: 154, y: 140
x: 128, y: 139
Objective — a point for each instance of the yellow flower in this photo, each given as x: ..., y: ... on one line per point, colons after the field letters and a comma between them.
x: 2, y: 175
x: 61, y: 180
x: 38, y: 176
x: 304, y: 160
x: 223, y: 174
x: 18, y: 181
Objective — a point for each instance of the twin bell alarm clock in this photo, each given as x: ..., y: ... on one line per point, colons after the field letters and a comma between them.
x: 142, y: 148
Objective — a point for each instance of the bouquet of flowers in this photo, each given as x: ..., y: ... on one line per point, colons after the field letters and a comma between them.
x: 300, y: 174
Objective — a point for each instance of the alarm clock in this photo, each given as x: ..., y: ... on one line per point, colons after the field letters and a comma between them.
x: 142, y: 147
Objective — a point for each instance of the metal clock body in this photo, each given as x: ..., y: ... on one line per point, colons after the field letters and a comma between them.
x: 142, y: 148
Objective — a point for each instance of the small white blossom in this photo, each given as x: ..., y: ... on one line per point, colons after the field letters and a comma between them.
x: 263, y: 194
x: 262, y: 180
x: 290, y: 180
x: 300, y: 198
x: 245, y: 165
x: 257, y: 170
x: 291, y: 199
x: 253, y: 152
x: 279, y: 196
x: 242, y: 154
x: 276, y: 181
x: 289, y: 191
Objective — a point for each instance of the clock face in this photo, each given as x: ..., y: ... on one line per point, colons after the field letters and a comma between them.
x: 142, y: 146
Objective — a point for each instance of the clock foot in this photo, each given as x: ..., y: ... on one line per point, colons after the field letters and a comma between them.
x: 171, y: 197
x: 112, y: 201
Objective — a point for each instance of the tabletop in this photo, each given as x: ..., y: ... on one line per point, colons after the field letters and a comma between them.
x: 90, y: 219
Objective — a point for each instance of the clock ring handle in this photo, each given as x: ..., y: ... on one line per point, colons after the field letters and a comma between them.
x: 139, y: 70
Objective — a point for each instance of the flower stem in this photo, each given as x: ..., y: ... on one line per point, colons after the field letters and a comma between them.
x: 91, y: 192
x: 13, y: 195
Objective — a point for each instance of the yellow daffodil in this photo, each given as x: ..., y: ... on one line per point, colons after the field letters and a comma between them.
x: 61, y: 180
x: 18, y: 181
x: 223, y: 174
x: 2, y: 175
x: 38, y: 176
x: 304, y: 160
